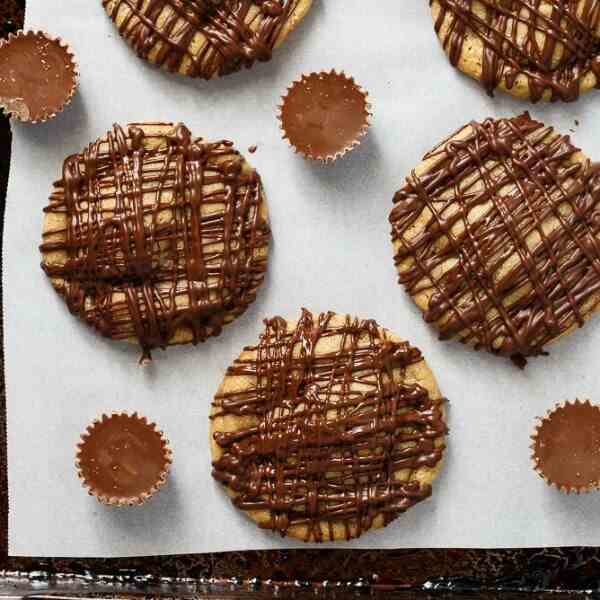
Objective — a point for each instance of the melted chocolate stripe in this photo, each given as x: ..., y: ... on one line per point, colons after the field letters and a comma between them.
x: 158, y: 239
x: 237, y: 32
x: 332, y: 429
x: 515, y: 193
x: 510, y: 32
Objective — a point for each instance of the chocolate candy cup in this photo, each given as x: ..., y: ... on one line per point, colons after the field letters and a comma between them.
x: 123, y: 459
x: 38, y: 76
x: 157, y: 256
x: 566, y: 447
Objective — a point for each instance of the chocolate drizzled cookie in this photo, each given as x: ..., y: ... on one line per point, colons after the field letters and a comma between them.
x: 154, y: 236
x: 205, y: 38
x: 537, y: 49
x: 330, y: 426
x: 497, y: 236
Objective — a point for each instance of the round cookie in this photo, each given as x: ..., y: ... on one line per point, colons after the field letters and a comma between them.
x: 327, y: 428
x: 156, y: 237
x: 534, y: 49
x: 205, y: 38
x: 497, y: 236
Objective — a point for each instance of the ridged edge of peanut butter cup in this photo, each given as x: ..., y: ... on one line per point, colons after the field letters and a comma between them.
x: 559, y: 431
x: 357, y: 136
x: 136, y: 499
x: 18, y: 110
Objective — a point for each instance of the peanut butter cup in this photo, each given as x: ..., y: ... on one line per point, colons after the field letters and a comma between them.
x: 328, y: 427
x: 38, y: 76
x: 535, y: 49
x: 205, y: 38
x: 123, y: 459
x: 497, y: 236
x: 156, y: 237
x: 324, y: 115
x: 566, y: 447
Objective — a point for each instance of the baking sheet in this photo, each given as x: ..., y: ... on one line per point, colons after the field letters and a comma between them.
x: 331, y: 250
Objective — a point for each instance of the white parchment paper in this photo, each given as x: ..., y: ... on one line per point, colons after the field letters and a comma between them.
x: 331, y: 250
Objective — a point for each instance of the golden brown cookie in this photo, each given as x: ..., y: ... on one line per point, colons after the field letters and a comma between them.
x: 152, y: 235
x: 328, y: 427
x: 205, y: 38
x: 535, y: 49
x: 497, y: 236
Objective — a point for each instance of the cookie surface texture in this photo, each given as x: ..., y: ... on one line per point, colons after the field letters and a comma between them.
x: 205, y: 38
x: 497, y: 236
x: 327, y: 428
x: 156, y: 237
x: 532, y: 49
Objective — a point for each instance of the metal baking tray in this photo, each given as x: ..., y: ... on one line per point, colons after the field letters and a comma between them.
x: 295, y: 573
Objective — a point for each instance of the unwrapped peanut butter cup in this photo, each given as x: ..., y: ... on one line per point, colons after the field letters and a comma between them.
x: 38, y: 76
x: 324, y: 115
x: 123, y: 459
x: 566, y: 447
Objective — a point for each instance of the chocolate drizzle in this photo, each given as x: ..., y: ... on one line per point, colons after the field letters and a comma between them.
x: 554, y: 44
x: 333, y: 430
x: 500, y: 236
x: 152, y: 235
x: 203, y: 38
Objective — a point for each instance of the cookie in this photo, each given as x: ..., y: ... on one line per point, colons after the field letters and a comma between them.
x: 533, y: 49
x: 566, y: 447
x: 156, y: 237
x: 497, y: 236
x: 122, y: 459
x: 328, y: 427
x: 205, y: 38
